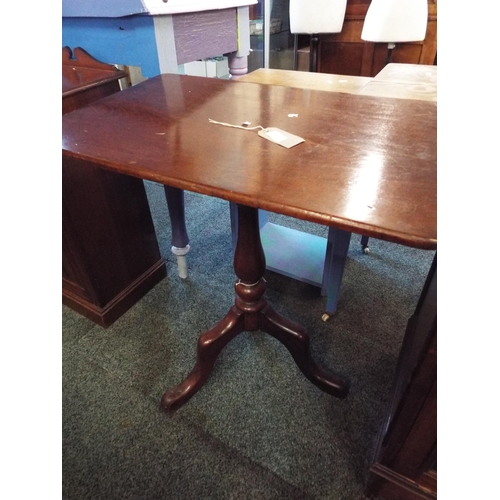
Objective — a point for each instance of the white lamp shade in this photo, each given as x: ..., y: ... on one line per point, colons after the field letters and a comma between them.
x: 395, y: 21
x: 317, y: 16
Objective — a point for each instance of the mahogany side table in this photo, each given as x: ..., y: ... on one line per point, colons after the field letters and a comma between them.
x: 368, y: 165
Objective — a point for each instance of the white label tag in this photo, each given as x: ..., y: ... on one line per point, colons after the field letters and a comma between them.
x: 280, y: 137
x: 276, y: 135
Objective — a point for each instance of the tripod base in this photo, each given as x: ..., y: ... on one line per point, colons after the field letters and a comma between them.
x: 251, y: 312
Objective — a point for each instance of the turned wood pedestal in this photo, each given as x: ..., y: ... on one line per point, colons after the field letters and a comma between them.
x: 251, y: 312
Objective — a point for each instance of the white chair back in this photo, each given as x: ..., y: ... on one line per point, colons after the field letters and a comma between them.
x: 317, y: 16
x: 395, y: 21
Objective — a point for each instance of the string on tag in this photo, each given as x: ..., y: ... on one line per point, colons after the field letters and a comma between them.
x: 236, y: 126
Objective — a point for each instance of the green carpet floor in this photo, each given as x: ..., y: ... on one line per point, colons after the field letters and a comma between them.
x: 258, y: 429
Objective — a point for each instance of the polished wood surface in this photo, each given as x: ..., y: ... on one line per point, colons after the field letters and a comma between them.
x: 404, y: 464
x: 85, y: 80
x: 110, y: 255
x: 408, y: 74
x: 307, y: 80
x: 368, y: 165
x: 404, y: 81
x: 408, y: 81
x: 80, y: 71
x: 396, y: 80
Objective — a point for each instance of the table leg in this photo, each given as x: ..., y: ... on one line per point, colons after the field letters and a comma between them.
x: 251, y: 312
x: 336, y: 256
x: 364, y: 245
x: 238, y: 61
x: 180, y: 239
x: 233, y: 214
x: 238, y: 65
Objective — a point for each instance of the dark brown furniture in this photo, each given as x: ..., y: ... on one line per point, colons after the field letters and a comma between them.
x: 345, y: 53
x: 368, y: 165
x: 405, y: 462
x: 110, y: 252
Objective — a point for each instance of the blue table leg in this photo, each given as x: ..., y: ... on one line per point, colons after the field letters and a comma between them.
x: 180, y: 239
x: 336, y: 255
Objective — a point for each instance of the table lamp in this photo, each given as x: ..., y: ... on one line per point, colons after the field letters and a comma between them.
x: 393, y: 21
x: 314, y: 17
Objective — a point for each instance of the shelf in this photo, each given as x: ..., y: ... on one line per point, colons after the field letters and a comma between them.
x: 293, y: 253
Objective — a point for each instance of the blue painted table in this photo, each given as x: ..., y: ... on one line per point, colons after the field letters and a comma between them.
x: 159, y: 36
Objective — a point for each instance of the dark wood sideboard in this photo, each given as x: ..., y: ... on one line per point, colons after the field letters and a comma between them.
x: 345, y: 53
x: 110, y: 254
x: 405, y: 461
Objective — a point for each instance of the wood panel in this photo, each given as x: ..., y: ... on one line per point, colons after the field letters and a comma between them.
x: 346, y: 54
x: 205, y: 34
x: 404, y: 466
x: 110, y: 256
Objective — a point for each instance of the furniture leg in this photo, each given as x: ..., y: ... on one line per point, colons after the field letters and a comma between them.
x: 238, y: 61
x: 180, y: 239
x: 337, y: 247
x: 210, y: 344
x: 364, y: 245
x: 294, y: 337
x: 336, y: 255
x: 313, y: 53
x: 251, y: 312
x: 238, y: 65
x: 233, y: 213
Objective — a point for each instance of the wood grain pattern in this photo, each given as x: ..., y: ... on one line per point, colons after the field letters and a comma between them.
x: 307, y: 80
x: 408, y: 74
x: 205, y: 34
x: 368, y: 165
x: 404, y: 81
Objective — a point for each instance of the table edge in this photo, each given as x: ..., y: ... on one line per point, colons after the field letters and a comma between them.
x: 242, y: 199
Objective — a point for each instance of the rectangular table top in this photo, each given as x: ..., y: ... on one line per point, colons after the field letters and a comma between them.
x: 306, y: 80
x: 404, y: 81
x: 368, y: 165
x: 396, y: 80
x: 408, y: 73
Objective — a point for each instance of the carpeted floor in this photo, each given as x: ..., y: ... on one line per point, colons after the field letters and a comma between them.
x: 258, y: 429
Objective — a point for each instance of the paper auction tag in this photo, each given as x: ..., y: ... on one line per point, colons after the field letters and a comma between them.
x: 280, y: 137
